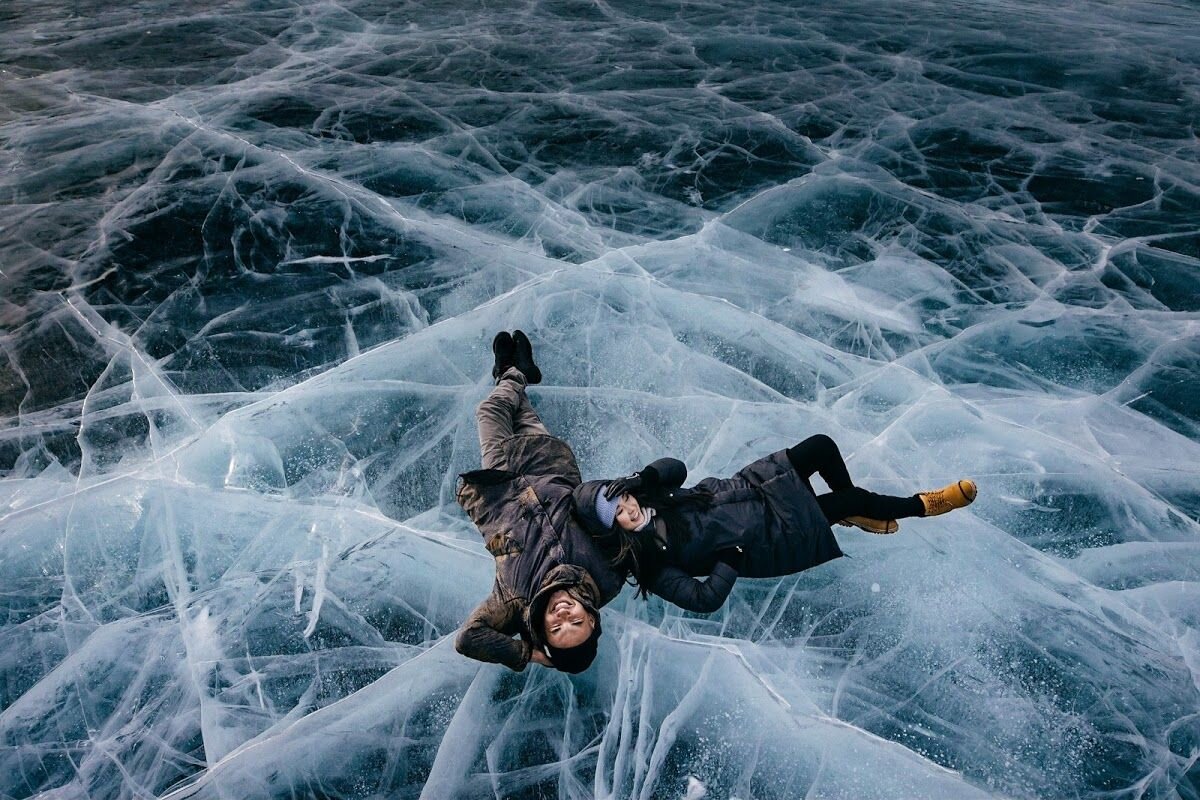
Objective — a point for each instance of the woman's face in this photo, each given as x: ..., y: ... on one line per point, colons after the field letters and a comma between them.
x: 629, y: 513
x: 566, y: 622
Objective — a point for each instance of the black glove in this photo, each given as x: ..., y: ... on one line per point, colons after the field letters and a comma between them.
x: 732, y: 556
x: 630, y: 483
x: 645, y: 481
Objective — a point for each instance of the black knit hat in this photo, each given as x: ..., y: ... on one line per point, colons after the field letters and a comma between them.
x: 578, y: 658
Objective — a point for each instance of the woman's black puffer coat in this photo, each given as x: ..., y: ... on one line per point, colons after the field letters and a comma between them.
x: 764, y: 508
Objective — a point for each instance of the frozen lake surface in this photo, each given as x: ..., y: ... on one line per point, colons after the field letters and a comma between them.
x: 252, y: 254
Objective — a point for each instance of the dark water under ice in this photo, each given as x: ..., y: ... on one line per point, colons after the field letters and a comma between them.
x: 251, y: 258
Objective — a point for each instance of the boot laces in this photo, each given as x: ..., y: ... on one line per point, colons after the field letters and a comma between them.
x: 939, y: 503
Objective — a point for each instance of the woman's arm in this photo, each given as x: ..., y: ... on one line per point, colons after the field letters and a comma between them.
x: 664, y: 474
x: 488, y: 634
x: 676, y: 586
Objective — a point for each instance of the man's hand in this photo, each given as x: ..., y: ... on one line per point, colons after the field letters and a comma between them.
x: 538, y: 657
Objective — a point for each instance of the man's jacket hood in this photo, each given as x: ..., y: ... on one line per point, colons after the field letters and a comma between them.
x: 578, y: 582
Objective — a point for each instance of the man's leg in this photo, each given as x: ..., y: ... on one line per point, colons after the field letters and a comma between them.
x: 506, y: 411
x: 527, y: 420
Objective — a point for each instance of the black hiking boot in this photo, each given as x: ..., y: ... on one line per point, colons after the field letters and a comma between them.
x: 505, y: 352
x: 525, y: 358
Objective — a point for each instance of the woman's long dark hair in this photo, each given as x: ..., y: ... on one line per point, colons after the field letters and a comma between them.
x: 637, y: 551
x: 633, y: 556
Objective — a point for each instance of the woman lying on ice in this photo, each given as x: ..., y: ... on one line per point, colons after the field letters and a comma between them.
x: 551, y: 578
x: 764, y: 522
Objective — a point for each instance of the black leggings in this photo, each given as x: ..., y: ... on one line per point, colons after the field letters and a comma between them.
x: 820, y: 454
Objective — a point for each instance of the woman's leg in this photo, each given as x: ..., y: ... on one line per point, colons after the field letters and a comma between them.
x: 820, y: 454
x: 505, y: 412
x: 856, y: 502
x: 849, y: 504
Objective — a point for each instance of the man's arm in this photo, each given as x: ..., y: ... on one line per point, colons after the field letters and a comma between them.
x: 488, y: 634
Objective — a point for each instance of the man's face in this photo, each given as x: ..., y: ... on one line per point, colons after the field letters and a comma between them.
x: 566, y: 622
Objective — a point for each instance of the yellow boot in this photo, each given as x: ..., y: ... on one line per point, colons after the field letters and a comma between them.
x: 872, y: 525
x: 948, y: 498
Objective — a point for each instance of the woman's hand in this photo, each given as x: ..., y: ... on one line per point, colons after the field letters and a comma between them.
x: 630, y: 484
x: 538, y: 657
x: 733, y: 556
